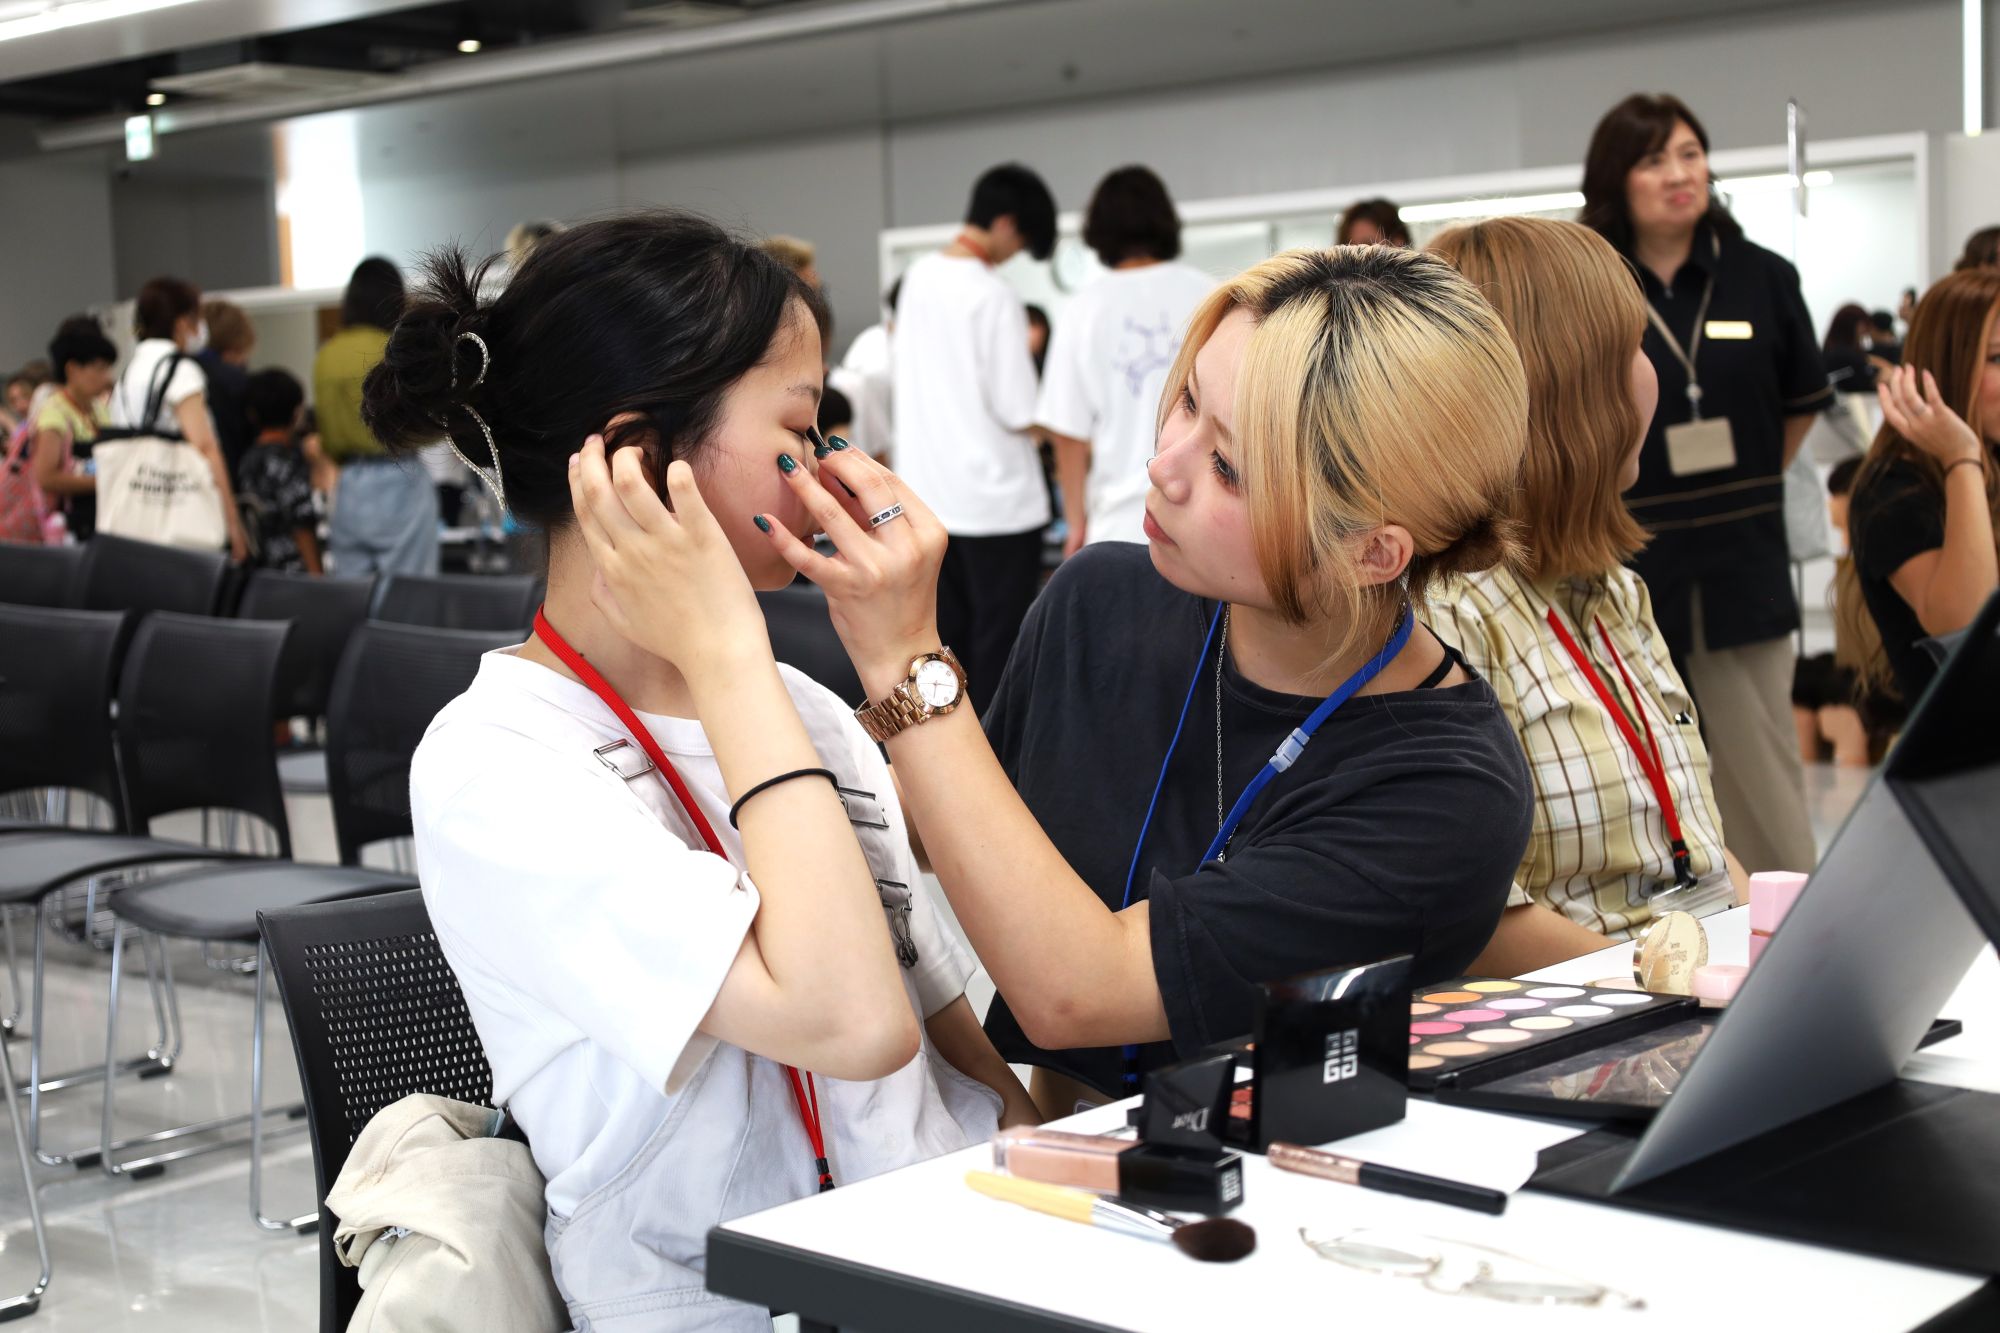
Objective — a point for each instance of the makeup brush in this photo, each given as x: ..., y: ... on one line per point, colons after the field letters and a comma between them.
x: 1219, y: 1240
x: 1387, y: 1179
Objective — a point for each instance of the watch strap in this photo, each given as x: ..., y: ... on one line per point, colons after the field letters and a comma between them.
x: 903, y: 708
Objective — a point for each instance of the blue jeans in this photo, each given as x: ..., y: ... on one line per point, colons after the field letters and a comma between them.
x: 385, y: 519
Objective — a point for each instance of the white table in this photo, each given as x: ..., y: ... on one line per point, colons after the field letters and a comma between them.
x: 917, y: 1250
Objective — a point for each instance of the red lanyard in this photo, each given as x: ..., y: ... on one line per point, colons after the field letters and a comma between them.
x: 804, y: 1091
x: 1649, y: 754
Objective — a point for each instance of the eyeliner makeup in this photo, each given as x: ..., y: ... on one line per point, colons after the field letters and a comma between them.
x: 821, y: 449
x: 1384, y: 1179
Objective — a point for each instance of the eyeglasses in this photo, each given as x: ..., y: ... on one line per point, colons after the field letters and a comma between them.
x: 1465, y: 1268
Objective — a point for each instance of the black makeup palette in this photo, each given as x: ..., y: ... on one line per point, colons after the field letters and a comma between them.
x: 1476, y: 1029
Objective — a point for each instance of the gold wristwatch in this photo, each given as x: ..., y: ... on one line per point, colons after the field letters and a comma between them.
x: 935, y: 685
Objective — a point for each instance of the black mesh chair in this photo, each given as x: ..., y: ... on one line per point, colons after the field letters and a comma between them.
x: 324, y: 613
x: 391, y: 682
x: 193, y: 732
x: 57, y: 671
x: 124, y: 575
x: 461, y: 601
x: 802, y: 636
x: 375, y: 1015
x: 40, y: 575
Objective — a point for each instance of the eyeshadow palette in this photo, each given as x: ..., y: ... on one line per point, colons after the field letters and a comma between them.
x: 1480, y: 1028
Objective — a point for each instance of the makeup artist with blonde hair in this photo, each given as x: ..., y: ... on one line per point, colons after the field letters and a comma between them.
x: 1234, y: 754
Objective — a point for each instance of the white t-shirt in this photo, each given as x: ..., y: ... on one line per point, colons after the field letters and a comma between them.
x: 135, y: 382
x: 965, y: 398
x: 1107, y: 366
x: 590, y: 933
x: 867, y: 376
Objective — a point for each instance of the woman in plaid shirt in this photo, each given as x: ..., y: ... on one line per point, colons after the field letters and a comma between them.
x: 1626, y: 824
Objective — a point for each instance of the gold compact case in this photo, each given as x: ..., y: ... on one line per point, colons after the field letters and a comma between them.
x: 1665, y: 957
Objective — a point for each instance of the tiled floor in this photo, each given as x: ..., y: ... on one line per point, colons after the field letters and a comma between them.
x: 180, y: 1251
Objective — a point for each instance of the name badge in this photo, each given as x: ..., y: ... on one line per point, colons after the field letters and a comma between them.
x: 1694, y: 447
x: 1728, y: 330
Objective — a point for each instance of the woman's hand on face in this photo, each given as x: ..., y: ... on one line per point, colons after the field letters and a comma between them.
x: 667, y: 580
x: 881, y: 587
x: 1920, y: 415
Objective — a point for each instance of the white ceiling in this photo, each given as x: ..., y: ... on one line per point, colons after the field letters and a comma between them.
x: 1009, y: 53
x: 198, y: 23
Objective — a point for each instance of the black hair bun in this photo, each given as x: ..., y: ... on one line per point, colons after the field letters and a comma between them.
x: 428, y: 368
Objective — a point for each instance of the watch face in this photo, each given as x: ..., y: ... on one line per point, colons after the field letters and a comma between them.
x: 937, y: 684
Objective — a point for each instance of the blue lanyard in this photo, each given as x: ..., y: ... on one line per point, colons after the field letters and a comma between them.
x: 1288, y: 750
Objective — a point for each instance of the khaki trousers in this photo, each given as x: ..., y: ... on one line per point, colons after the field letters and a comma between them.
x: 1745, y: 698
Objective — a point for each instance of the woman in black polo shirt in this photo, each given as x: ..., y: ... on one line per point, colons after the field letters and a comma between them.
x: 1927, y: 500
x: 1740, y: 383
x: 1340, y: 428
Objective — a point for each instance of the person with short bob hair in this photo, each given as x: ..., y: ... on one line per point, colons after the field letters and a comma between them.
x: 1010, y: 198
x: 1568, y: 615
x: 643, y: 961
x: 167, y: 318
x: 1741, y: 382
x: 1372, y: 222
x: 1340, y: 428
x: 1108, y: 363
x: 1131, y: 217
x: 225, y: 360
x: 70, y: 419
x: 385, y: 511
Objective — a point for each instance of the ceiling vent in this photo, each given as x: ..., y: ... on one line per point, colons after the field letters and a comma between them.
x: 685, y: 13
x: 260, y: 79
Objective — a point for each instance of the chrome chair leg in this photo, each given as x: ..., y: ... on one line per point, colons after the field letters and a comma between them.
x: 16, y: 1307
x: 155, y: 1062
x: 106, y: 1155
x: 306, y: 1223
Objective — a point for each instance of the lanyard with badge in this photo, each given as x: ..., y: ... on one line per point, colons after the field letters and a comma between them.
x: 1696, y: 445
x: 805, y: 1092
x: 1649, y: 755
x: 1284, y: 757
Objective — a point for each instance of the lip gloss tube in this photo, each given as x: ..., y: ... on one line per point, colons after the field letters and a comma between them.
x: 1138, y: 1173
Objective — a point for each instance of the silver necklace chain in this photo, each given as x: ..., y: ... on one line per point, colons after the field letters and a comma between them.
x: 1221, y: 655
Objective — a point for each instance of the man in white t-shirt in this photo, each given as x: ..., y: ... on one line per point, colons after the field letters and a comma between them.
x: 964, y: 401
x: 1108, y: 362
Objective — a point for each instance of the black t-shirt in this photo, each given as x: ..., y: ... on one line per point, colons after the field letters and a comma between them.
x: 1397, y: 831
x: 1724, y: 531
x: 1897, y: 515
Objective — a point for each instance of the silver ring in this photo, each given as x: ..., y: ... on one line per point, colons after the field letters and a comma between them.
x: 887, y: 515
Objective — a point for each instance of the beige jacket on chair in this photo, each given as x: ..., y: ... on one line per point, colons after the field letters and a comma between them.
x: 445, y: 1223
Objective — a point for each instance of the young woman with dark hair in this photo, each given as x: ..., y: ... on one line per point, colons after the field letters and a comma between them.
x: 167, y: 318
x: 70, y: 420
x: 1372, y: 222
x: 1740, y: 383
x: 1107, y: 364
x: 671, y: 876
x: 385, y: 511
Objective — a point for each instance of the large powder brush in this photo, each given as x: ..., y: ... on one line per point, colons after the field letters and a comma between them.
x: 1219, y: 1240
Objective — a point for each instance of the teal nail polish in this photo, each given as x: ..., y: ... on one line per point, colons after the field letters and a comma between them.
x: 763, y: 524
x: 822, y: 450
x: 835, y: 442
x: 786, y: 465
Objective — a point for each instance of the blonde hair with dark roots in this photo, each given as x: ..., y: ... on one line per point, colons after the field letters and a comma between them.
x: 1577, y: 317
x: 1949, y: 334
x: 1378, y: 387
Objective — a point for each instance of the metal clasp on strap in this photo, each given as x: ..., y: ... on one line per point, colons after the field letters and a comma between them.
x: 625, y: 759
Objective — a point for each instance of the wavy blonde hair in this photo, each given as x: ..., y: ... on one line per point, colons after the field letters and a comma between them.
x: 1378, y: 387
x: 1577, y: 317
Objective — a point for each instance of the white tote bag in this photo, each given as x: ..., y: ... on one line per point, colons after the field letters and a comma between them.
x: 152, y: 485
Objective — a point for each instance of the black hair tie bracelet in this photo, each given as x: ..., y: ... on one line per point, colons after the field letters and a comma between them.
x: 769, y: 783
